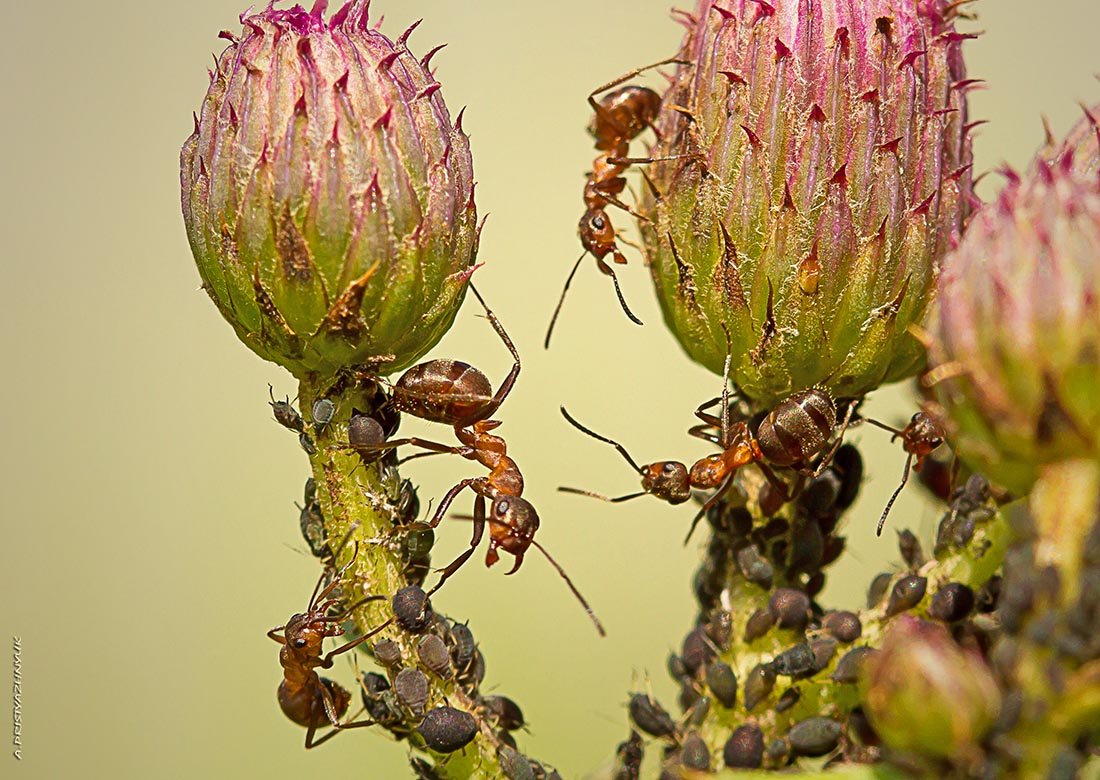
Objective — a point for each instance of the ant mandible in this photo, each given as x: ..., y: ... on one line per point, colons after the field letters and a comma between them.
x: 458, y: 394
x: 791, y: 434
x: 304, y: 696
x: 919, y: 438
x: 619, y: 117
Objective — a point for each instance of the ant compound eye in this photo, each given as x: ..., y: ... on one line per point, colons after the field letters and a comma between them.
x: 503, y: 507
x: 669, y: 468
x: 598, y: 223
x: 299, y: 642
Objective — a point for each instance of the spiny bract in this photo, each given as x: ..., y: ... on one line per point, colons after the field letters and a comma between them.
x: 327, y: 194
x: 820, y: 170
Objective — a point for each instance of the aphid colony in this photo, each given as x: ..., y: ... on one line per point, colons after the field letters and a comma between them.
x: 440, y: 391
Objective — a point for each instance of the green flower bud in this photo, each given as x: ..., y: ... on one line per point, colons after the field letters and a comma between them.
x: 821, y: 168
x: 925, y: 694
x: 327, y: 194
x: 1017, y: 339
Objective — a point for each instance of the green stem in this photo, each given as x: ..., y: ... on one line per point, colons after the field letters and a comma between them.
x: 358, y: 505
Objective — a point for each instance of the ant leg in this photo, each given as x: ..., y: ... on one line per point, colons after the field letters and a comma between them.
x: 890, y: 503
x: 725, y: 441
x: 561, y: 300
x: 506, y: 385
x: 608, y: 271
x: 457, y: 563
x: 710, y: 502
x: 614, y: 201
x: 775, y: 481
x: 705, y: 432
x: 449, y: 498
x: 825, y: 461
x: 327, y: 661
x: 636, y: 72
x: 414, y: 441
x: 600, y: 496
x: 627, y: 161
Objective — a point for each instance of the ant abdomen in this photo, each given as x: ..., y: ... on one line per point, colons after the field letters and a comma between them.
x: 305, y: 706
x: 624, y: 114
x: 444, y: 391
x: 798, y: 428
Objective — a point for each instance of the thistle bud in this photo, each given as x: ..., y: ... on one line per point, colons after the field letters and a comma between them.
x: 1017, y: 340
x: 820, y: 168
x: 925, y: 694
x: 1082, y: 143
x: 328, y: 196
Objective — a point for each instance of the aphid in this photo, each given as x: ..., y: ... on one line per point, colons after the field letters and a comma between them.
x: 844, y: 626
x: 919, y: 438
x: 790, y: 607
x: 515, y: 765
x: 305, y: 697
x: 433, y: 653
x: 285, y: 413
x: 459, y: 395
x: 506, y: 712
x: 630, y: 754
x: 722, y: 683
x: 815, y: 736
x: 795, y: 661
x: 695, y: 754
x: 849, y: 666
x: 651, y: 717
x: 951, y: 603
x: 788, y: 699
x: 372, y: 689
x: 312, y: 524
x: 745, y: 748
x: 446, y: 729
x: 322, y: 412
x: 907, y: 593
x: 411, y: 687
x: 789, y: 436
x: 388, y: 653
x: 619, y: 117
x: 758, y: 685
x: 463, y: 646
x: 759, y: 623
x: 412, y: 609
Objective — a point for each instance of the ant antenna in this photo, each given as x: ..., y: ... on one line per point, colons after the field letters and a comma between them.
x: 605, y: 268
x: 600, y: 496
x: 890, y: 503
x: 561, y: 300
x: 604, y: 439
x: 896, y: 431
x: 572, y: 587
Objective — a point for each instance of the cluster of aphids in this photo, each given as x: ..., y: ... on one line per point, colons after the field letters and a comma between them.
x: 403, y: 699
x: 811, y: 645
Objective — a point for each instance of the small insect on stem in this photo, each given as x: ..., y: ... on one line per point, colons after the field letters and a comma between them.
x: 919, y: 439
x: 304, y: 696
x: 619, y: 117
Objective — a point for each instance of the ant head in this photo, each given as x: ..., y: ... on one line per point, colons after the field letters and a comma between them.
x: 597, y: 233
x: 513, y: 522
x: 667, y: 480
x: 304, y: 633
x: 922, y: 435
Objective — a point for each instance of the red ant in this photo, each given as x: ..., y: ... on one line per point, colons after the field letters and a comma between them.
x: 304, y: 696
x: 919, y: 438
x: 619, y: 117
x: 788, y: 436
x: 458, y: 394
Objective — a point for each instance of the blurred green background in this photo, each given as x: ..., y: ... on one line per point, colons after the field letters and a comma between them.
x: 150, y: 535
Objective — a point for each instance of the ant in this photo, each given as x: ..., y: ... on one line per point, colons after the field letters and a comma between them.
x: 458, y: 394
x: 919, y: 438
x: 304, y: 696
x: 788, y: 436
x: 619, y: 117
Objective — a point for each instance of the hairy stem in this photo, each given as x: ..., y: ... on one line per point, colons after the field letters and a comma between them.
x: 359, y: 503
